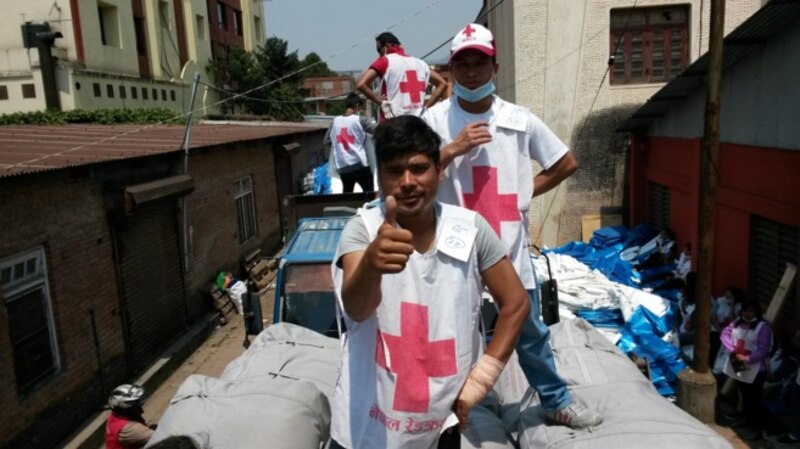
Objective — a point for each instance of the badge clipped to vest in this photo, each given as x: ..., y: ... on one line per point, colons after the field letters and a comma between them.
x: 457, y: 238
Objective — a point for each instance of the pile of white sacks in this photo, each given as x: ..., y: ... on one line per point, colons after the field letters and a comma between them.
x: 580, y: 287
x: 277, y: 394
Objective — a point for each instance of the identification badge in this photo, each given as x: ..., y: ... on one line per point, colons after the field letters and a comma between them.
x: 515, y: 118
x: 457, y: 238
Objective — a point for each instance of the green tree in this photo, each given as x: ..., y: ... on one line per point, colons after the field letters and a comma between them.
x: 268, y: 77
x: 316, y: 66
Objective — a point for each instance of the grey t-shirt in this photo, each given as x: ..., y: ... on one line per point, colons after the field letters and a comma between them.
x: 490, y: 249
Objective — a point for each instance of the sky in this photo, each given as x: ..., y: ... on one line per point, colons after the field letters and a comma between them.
x: 331, y: 27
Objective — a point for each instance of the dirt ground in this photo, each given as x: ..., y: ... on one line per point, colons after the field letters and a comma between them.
x: 210, y: 359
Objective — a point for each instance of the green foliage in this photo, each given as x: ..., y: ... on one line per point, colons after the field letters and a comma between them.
x: 317, y: 67
x: 100, y: 116
x: 242, y: 72
x: 335, y: 107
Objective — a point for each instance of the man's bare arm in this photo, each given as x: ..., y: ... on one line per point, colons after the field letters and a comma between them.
x: 548, y: 179
x: 439, y: 88
x: 364, y: 84
x: 506, y: 288
x: 472, y: 136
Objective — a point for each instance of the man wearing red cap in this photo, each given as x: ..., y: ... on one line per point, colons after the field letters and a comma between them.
x: 404, y: 80
x: 488, y: 145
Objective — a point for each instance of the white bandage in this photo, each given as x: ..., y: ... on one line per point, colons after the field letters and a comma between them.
x: 480, y: 380
x: 386, y: 107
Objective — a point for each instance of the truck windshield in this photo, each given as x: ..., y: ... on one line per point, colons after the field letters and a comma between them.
x: 308, y: 298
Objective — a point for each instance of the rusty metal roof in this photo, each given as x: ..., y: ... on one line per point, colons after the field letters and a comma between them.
x: 753, y: 32
x: 31, y: 148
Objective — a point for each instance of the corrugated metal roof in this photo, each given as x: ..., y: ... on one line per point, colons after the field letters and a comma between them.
x: 31, y: 148
x: 768, y: 20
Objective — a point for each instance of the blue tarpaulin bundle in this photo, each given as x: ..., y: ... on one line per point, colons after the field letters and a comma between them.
x: 608, y: 318
x: 605, y: 237
x: 642, y: 334
x: 322, y: 182
x: 613, y: 251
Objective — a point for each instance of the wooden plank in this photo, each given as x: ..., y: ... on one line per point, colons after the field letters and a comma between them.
x: 781, y: 292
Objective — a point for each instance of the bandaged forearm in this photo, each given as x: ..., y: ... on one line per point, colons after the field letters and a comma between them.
x: 480, y: 380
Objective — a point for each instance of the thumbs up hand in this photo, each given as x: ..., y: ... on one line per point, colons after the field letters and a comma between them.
x: 390, y: 250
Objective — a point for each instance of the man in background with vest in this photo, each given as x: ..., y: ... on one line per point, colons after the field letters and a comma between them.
x: 347, y: 137
x: 404, y: 80
x: 487, y: 152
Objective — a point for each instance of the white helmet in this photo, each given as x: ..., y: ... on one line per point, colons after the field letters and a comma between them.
x: 125, y: 397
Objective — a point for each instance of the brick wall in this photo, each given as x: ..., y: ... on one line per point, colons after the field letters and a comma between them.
x: 64, y: 215
x: 64, y: 212
x: 212, y: 209
x: 212, y: 213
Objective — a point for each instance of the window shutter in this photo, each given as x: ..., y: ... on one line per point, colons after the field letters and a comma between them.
x: 659, y: 206
x: 772, y: 246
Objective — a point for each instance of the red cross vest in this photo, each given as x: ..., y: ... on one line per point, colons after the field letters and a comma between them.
x: 347, y: 141
x: 748, y: 338
x: 495, y: 180
x: 114, y: 426
x: 402, y: 368
x: 404, y: 84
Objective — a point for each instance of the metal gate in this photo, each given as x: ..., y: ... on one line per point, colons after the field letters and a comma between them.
x: 151, y: 279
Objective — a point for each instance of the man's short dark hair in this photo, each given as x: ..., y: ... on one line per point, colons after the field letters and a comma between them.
x: 353, y: 100
x: 403, y: 135
x: 176, y: 442
x: 387, y: 38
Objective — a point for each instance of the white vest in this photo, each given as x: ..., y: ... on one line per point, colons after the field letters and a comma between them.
x: 407, y: 363
x: 496, y: 180
x: 347, y: 141
x: 750, y: 339
x: 405, y: 82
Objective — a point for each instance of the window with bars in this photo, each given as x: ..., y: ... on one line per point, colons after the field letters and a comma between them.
x: 245, y: 209
x: 649, y: 45
x: 658, y: 206
x: 772, y: 246
x: 23, y: 282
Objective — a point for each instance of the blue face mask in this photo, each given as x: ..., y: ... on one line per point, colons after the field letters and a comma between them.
x: 473, y: 95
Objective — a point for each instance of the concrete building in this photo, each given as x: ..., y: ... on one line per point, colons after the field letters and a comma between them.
x: 554, y: 58
x: 757, y: 223
x: 119, y: 53
x: 99, y: 270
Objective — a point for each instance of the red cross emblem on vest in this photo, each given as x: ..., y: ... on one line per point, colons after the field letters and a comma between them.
x: 469, y: 30
x: 345, y: 139
x: 415, y: 359
x: 486, y: 200
x: 412, y: 86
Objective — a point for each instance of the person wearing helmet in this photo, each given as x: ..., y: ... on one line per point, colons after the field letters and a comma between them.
x: 126, y: 427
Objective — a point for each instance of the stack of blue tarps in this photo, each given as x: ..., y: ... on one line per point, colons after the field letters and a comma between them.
x: 642, y: 333
x: 603, y: 251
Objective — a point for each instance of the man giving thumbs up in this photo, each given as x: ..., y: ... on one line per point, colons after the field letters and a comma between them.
x: 412, y: 272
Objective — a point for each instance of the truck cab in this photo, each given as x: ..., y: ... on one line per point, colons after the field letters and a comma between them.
x: 304, y: 285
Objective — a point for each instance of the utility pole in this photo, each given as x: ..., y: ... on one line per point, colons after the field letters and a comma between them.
x: 697, y: 386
